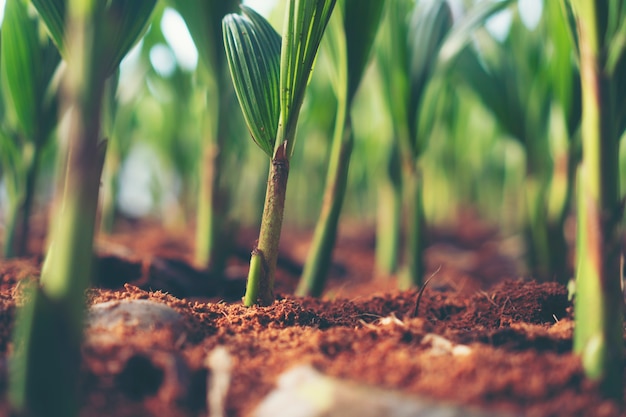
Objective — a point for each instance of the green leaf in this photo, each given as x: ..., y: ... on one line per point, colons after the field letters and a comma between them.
x: 361, y: 20
x: 568, y: 14
x: 392, y: 58
x: 461, y: 33
x: 335, y: 47
x: 306, y: 21
x: 253, y: 55
x: 204, y: 21
x: 124, y: 22
x: 52, y: 12
x: 27, y: 65
x: 430, y: 24
x: 561, y: 46
x: 20, y: 63
x: 11, y: 163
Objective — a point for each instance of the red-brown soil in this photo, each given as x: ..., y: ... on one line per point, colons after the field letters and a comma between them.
x: 519, y: 332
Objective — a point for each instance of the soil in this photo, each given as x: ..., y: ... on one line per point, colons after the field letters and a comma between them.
x: 518, y: 332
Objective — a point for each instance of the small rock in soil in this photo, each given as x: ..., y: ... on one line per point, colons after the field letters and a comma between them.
x: 142, y: 315
x: 305, y: 392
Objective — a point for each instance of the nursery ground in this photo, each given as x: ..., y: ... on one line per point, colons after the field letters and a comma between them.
x: 515, y: 334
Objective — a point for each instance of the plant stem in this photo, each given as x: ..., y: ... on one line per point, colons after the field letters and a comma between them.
x: 599, y: 299
x: 389, y: 218
x: 110, y: 187
x: 260, y: 287
x: 537, y: 245
x: 18, y: 226
x: 205, y: 223
x: 32, y: 170
x: 320, y: 253
x: 388, y: 225
x: 415, y: 228
x: 49, y: 330
x: 210, y: 228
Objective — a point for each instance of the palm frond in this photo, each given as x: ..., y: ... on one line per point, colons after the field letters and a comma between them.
x: 253, y: 55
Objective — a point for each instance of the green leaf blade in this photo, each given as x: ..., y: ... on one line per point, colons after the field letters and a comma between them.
x: 430, y: 24
x: 204, y: 21
x: 361, y: 21
x: 305, y: 26
x: 253, y: 55
x: 392, y: 61
x: 461, y: 34
x: 125, y: 23
x: 21, y: 65
x: 53, y: 12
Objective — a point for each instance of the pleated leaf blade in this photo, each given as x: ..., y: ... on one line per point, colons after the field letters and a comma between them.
x: 125, y: 21
x: 253, y: 55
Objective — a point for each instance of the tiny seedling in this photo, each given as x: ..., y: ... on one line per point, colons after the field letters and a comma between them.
x: 270, y: 76
x: 350, y: 37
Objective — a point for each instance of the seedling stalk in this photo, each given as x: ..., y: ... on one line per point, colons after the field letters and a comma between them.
x: 599, y: 303
x: 270, y: 82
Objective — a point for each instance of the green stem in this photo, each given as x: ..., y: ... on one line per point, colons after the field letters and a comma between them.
x: 10, y: 231
x: 32, y: 171
x: 599, y: 299
x: 113, y: 158
x: 205, y: 223
x: 415, y: 230
x: 110, y: 187
x: 389, y: 218
x: 260, y: 287
x: 45, y: 373
x: 320, y: 253
x: 18, y: 226
x: 563, y: 182
x: 211, y: 250
x: 388, y: 226
x: 537, y: 245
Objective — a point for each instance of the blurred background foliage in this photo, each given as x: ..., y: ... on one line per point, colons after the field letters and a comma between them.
x: 502, y: 120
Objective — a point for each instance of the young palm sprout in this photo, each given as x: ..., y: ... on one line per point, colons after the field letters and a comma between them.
x: 599, y: 303
x: 204, y: 20
x: 350, y: 36
x: 270, y: 79
x: 411, y: 53
x: 93, y: 37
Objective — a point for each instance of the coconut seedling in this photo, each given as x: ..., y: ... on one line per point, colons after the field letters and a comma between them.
x: 407, y: 57
x: 204, y: 20
x: 599, y: 28
x: 92, y: 37
x: 270, y: 76
x: 28, y: 63
x: 419, y: 41
x: 350, y: 37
